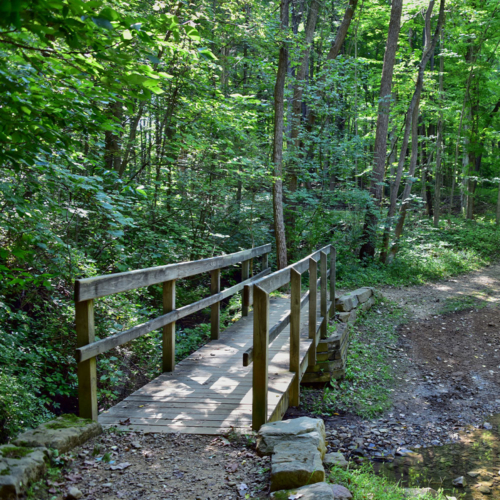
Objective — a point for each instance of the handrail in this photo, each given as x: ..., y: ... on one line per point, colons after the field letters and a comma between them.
x: 258, y: 292
x: 86, y: 290
x: 101, y: 286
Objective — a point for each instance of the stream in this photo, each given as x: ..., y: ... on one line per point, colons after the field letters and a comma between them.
x: 476, y: 457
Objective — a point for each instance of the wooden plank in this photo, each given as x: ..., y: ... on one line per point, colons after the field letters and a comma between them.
x: 118, y: 339
x: 280, y: 278
x: 215, y: 308
x: 324, y: 298
x: 333, y: 278
x: 260, y: 363
x: 168, y: 338
x: 162, y: 429
x: 313, y: 308
x: 245, y: 274
x: 87, y: 372
x: 100, y: 286
x: 295, y: 280
x: 274, y: 331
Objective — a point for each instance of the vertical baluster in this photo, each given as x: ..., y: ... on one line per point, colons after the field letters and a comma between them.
x: 87, y: 372
x: 333, y: 278
x: 169, y: 330
x: 313, y: 308
x: 324, y: 312
x: 215, y: 308
x: 295, y: 281
x: 260, y: 357
x: 245, y: 274
x: 265, y: 261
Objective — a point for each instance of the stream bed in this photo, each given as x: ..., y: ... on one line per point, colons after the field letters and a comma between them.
x: 476, y: 457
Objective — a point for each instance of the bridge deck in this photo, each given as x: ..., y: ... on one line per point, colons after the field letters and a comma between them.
x: 210, y: 391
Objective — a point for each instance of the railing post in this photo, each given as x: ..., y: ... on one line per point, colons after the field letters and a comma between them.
x: 245, y: 274
x: 260, y: 357
x: 324, y: 298
x: 313, y: 309
x: 87, y: 373
x: 215, y: 308
x: 169, y: 330
x: 295, y: 281
x: 333, y: 277
x: 265, y: 261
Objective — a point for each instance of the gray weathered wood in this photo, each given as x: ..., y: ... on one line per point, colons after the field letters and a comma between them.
x: 295, y: 307
x: 104, y: 345
x: 215, y: 308
x: 100, y: 286
x: 261, y: 358
x: 87, y: 373
x: 169, y: 329
x: 324, y: 297
x: 313, y: 308
x: 265, y: 261
x: 333, y: 278
x: 245, y: 274
x: 274, y: 331
x: 280, y: 278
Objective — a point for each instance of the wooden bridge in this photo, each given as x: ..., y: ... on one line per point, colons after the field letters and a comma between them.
x: 245, y: 376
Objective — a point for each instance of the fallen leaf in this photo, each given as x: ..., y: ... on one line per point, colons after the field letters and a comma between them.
x: 121, y: 466
x: 296, y: 496
x: 125, y: 422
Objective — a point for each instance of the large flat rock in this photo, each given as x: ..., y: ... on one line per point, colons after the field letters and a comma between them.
x: 19, y: 467
x: 62, y: 434
x: 274, y: 433
x: 317, y: 491
x: 295, y: 464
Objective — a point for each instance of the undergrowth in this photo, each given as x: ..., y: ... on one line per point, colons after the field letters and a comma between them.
x: 426, y: 254
x: 364, y: 484
x: 366, y: 389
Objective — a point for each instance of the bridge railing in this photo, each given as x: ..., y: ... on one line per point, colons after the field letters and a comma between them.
x: 87, y: 290
x: 264, y: 334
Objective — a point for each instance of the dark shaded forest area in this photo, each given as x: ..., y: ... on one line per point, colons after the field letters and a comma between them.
x: 137, y: 134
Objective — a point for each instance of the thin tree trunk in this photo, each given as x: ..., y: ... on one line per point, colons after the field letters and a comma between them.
x: 380, y: 153
x: 430, y: 45
x: 279, y: 119
x: 439, y: 141
x: 298, y: 88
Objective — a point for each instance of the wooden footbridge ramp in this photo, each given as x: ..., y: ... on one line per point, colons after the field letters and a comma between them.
x: 247, y: 375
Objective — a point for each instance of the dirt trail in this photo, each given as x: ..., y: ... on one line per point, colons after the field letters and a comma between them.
x: 427, y: 300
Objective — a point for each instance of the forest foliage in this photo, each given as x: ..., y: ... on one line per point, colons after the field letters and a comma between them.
x: 136, y: 134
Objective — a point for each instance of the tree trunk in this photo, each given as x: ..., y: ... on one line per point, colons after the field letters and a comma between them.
x: 298, y: 89
x: 380, y: 153
x: 430, y: 45
x: 279, y: 119
x: 439, y: 142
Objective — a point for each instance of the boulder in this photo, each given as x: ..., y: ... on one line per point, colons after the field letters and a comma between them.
x: 347, y: 302
x: 368, y: 304
x: 19, y: 467
x: 295, y: 463
x: 344, y: 316
x: 277, y: 432
x: 63, y: 434
x: 317, y: 491
x: 335, y: 459
x: 340, y: 492
x: 363, y: 294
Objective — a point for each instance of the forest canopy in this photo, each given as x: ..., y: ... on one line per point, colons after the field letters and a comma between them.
x: 137, y: 134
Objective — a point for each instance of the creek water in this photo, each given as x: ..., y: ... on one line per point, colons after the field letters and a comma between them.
x: 476, y: 457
